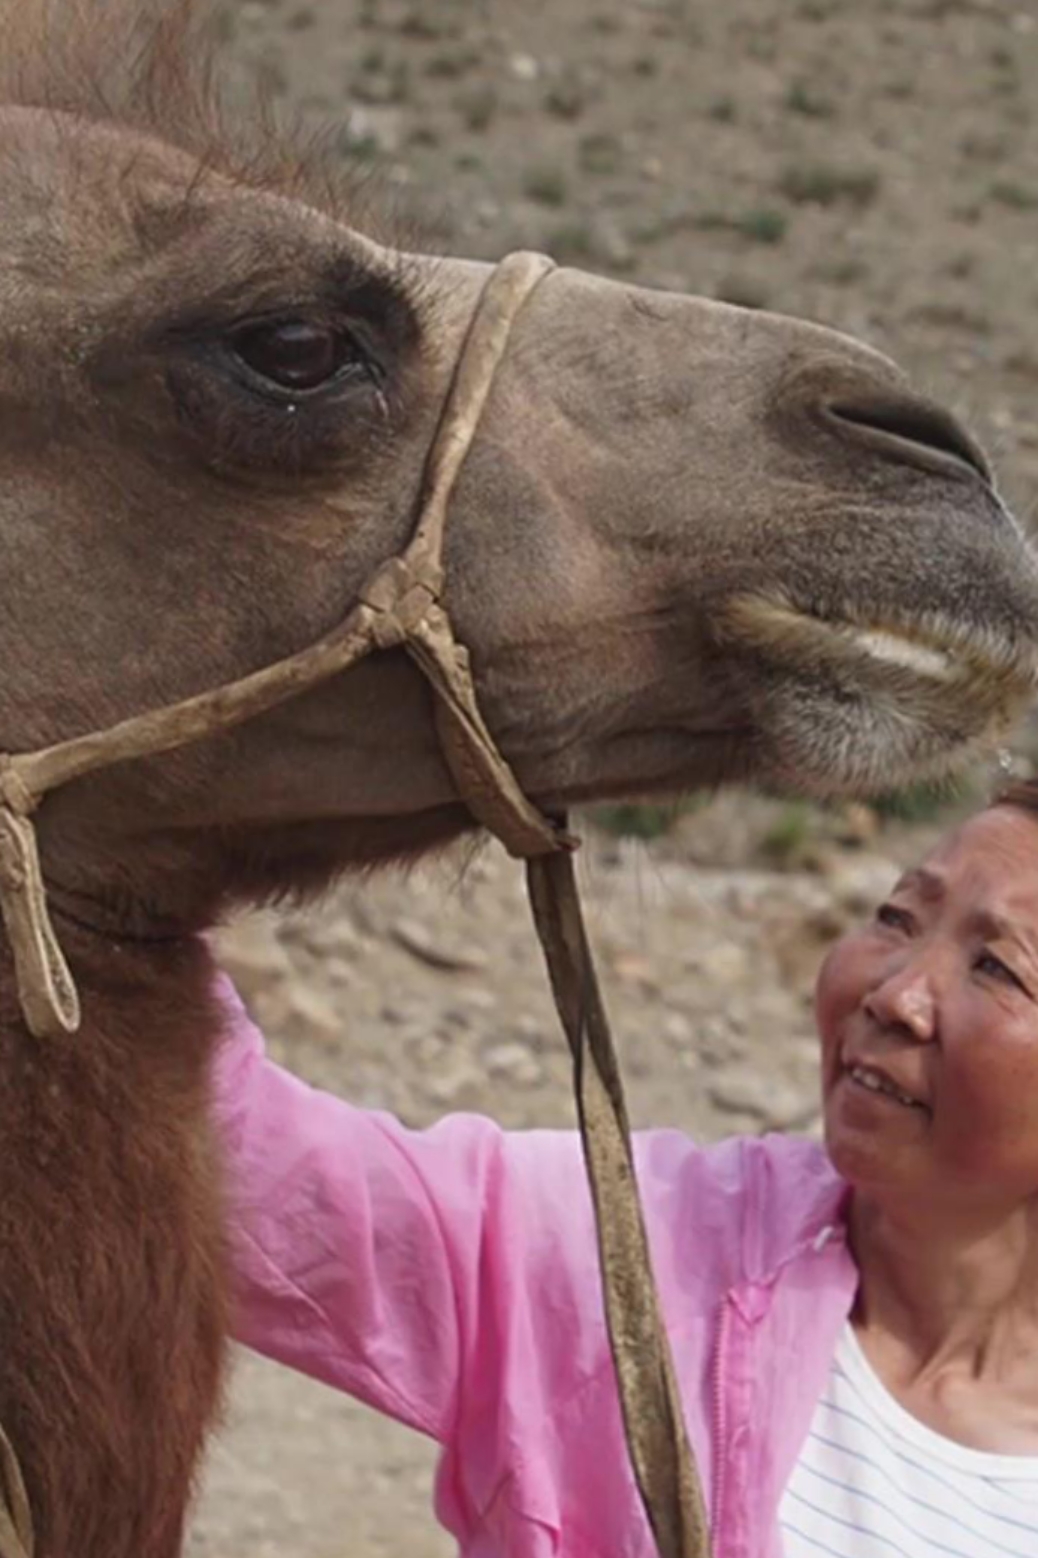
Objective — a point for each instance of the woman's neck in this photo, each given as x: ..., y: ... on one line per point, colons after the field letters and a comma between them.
x: 957, y: 1292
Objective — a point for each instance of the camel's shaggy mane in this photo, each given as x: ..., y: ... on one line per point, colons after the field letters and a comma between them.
x: 150, y: 65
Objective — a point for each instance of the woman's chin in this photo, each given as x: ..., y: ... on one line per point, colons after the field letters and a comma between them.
x: 868, y: 1134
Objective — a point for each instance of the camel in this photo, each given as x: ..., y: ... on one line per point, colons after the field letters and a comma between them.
x: 690, y: 544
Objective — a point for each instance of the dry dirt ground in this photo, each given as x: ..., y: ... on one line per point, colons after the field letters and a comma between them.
x: 870, y: 163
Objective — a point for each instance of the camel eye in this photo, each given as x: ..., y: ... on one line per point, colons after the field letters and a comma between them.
x: 294, y: 354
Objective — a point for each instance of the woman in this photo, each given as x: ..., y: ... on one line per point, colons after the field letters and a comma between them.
x: 854, y: 1327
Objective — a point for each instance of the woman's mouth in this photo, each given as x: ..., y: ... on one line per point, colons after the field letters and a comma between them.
x: 878, y: 1083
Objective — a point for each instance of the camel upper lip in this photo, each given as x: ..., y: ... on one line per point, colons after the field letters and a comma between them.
x: 932, y: 647
x: 889, y: 1076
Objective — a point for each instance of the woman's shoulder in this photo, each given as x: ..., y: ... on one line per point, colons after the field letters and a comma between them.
x: 737, y: 1166
x: 738, y: 1207
x: 750, y: 1202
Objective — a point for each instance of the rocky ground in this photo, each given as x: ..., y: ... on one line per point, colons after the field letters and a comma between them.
x: 874, y: 166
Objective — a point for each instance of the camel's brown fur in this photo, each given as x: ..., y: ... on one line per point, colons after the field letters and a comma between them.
x: 160, y: 79
x: 690, y: 544
x: 111, y: 1299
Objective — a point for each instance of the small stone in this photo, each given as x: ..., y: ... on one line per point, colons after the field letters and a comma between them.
x: 487, y: 213
x: 632, y: 968
x: 452, y: 1079
x: 677, y: 1028
x: 430, y: 1048
x: 514, y: 1061
x: 765, y: 1098
x: 311, y: 1016
x: 858, y: 824
x: 524, y: 67
x: 480, y: 999
x: 860, y: 884
x: 322, y: 936
x: 251, y: 952
x: 416, y: 938
x: 724, y: 964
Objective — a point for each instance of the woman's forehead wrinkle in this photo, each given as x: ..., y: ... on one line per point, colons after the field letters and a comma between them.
x: 1000, y: 910
x: 993, y: 926
x: 927, y: 883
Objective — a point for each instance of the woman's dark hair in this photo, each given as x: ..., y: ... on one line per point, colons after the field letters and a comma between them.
x: 1021, y: 793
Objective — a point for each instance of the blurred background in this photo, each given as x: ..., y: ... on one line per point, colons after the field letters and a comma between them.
x: 872, y: 164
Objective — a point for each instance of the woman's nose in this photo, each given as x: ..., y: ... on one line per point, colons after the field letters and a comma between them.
x: 905, y: 1000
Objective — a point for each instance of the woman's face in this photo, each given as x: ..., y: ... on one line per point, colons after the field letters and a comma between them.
x: 929, y: 1024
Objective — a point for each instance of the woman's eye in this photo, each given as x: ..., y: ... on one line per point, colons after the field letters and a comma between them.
x: 295, y: 354
x: 897, y: 919
x: 988, y: 963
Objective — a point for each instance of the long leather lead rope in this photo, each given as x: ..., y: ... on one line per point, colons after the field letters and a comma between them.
x: 16, y: 1533
x: 400, y: 607
x: 657, y: 1443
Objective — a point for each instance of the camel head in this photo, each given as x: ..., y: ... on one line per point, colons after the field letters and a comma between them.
x: 691, y: 543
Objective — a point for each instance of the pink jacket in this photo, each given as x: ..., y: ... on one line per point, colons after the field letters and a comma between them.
x: 448, y: 1277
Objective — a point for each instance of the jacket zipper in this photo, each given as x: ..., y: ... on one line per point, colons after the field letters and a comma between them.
x: 720, y: 1427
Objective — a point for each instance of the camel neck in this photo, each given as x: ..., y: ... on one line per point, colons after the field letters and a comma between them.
x: 110, y: 1237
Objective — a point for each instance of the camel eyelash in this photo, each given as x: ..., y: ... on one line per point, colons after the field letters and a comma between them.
x: 235, y: 423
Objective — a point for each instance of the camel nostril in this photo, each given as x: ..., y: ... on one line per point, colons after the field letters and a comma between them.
x: 907, y: 426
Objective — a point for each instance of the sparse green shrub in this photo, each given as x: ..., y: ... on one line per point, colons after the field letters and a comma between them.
x: 545, y: 184
x: 843, y: 271
x: 645, y: 819
x: 765, y: 225
x: 808, y: 101
x: 357, y: 146
x: 601, y: 153
x: 451, y: 64
x: 383, y: 84
x: 1018, y: 197
x: 566, y: 97
x: 722, y: 109
x: 572, y: 242
x: 638, y: 820
x: 762, y: 46
x: 707, y: 221
x: 788, y: 836
x: 826, y: 184
x: 922, y: 802
x: 477, y: 107
x: 421, y: 21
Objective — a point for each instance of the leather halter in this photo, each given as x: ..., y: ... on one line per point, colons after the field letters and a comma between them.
x: 400, y: 607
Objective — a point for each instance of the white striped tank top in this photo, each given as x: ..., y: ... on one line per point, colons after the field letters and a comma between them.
x: 872, y: 1482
